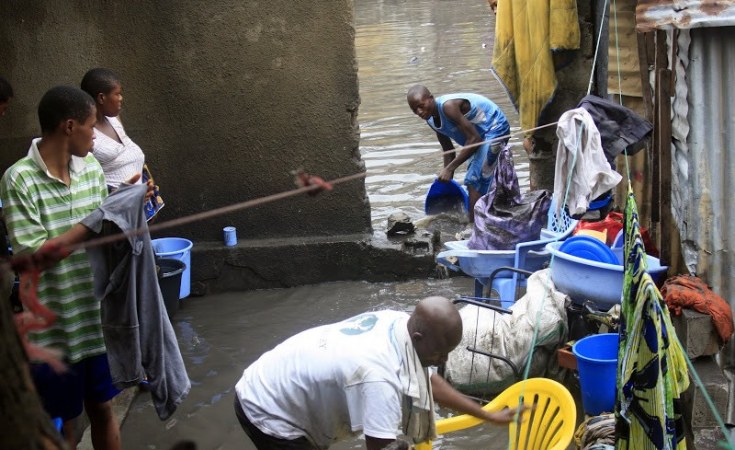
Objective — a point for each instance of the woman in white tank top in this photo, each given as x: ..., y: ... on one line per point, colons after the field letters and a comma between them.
x: 119, y: 156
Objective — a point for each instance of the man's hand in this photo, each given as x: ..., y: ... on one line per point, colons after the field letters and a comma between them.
x: 50, y: 253
x: 134, y: 179
x: 508, y: 415
x: 151, y: 190
x: 446, y: 175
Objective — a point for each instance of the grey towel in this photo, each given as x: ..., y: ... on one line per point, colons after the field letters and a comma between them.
x: 141, y: 343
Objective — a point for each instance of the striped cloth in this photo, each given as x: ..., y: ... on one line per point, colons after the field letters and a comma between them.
x: 38, y: 206
x: 652, y: 370
x: 119, y: 160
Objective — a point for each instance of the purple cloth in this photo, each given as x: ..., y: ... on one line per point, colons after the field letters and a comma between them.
x: 504, y: 217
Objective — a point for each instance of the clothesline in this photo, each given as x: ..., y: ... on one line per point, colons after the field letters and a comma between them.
x: 269, y: 198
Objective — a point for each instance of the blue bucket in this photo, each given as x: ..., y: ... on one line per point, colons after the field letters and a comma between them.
x: 597, y: 362
x: 446, y: 197
x: 176, y: 248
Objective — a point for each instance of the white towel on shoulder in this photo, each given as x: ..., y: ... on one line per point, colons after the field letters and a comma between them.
x: 418, y: 406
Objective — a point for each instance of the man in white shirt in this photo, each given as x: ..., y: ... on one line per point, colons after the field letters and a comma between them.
x: 368, y: 374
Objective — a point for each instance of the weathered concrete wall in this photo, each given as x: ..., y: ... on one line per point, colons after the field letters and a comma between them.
x: 225, y: 98
x: 268, y: 263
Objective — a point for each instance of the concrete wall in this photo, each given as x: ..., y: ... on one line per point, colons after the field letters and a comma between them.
x: 225, y: 98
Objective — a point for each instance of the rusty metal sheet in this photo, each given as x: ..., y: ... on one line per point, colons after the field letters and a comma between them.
x: 684, y: 14
x: 703, y: 166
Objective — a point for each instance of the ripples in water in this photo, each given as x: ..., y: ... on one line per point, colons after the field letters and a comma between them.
x: 401, y: 43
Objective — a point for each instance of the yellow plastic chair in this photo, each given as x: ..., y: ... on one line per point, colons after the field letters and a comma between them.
x: 550, y: 426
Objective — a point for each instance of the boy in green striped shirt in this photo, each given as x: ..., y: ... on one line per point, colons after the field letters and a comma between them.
x: 45, y: 195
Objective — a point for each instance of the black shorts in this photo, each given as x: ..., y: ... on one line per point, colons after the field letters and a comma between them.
x: 264, y: 441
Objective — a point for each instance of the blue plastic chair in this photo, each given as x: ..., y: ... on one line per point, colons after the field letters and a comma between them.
x: 619, y: 241
x: 529, y: 255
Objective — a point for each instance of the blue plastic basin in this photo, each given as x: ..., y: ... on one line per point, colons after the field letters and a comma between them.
x: 583, y: 279
x: 588, y: 248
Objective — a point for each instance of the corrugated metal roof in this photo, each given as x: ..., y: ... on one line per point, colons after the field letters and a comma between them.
x: 704, y: 158
x: 684, y: 14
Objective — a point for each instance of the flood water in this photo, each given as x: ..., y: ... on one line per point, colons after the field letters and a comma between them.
x: 220, y: 335
x: 444, y: 44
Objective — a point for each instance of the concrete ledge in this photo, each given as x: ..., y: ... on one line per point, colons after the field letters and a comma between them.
x: 707, y: 439
x: 696, y: 410
x: 265, y: 264
x: 697, y: 333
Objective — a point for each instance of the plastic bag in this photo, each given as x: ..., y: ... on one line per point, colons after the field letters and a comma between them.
x: 504, y: 217
x: 612, y: 224
x: 511, y: 336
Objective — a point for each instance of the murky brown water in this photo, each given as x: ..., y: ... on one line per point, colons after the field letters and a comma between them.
x: 221, y: 335
x: 444, y: 44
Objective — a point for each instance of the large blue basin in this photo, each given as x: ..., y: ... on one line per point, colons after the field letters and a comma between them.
x: 482, y: 263
x: 584, y: 279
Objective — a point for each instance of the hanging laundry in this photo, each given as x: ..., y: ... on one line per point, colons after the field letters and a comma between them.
x: 621, y: 129
x: 141, y: 343
x: 652, y: 370
x: 580, y: 162
x: 526, y: 33
x: 504, y: 217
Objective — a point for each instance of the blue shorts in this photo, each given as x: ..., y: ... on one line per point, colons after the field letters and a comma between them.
x: 63, y: 394
x: 482, y: 165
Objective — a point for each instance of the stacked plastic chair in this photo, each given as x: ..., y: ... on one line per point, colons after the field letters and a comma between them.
x: 490, y: 267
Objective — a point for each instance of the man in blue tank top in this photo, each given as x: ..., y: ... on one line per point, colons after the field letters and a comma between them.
x: 468, y: 120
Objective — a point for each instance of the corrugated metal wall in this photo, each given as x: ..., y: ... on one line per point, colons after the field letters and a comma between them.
x: 704, y: 168
x: 684, y: 14
x: 703, y: 130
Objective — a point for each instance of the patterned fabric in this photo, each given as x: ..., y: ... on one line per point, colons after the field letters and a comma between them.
x: 38, y: 206
x: 504, y: 217
x: 155, y: 203
x: 652, y: 371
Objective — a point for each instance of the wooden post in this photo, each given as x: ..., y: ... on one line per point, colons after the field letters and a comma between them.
x: 663, y: 132
x: 644, y: 39
x: 661, y: 63
x: 23, y: 422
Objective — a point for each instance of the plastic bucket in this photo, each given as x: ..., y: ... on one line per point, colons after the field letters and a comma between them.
x: 597, y: 362
x: 169, y: 280
x: 176, y: 248
x: 446, y: 197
